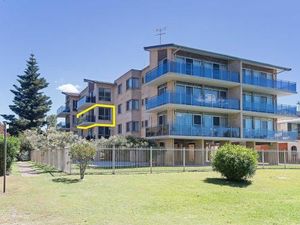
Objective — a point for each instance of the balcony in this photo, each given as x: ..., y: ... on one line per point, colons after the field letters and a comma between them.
x: 191, y: 130
x: 285, y: 110
x: 86, y: 101
x: 63, y: 126
x: 196, y: 71
x: 62, y: 111
x: 279, y: 85
x: 86, y: 120
x: 270, y: 134
x: 190, y: 100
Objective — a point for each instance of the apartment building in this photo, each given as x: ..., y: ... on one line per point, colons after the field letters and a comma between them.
x: 291, y: 147
x: 189, y: 98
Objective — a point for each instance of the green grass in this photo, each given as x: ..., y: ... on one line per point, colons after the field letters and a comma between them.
x: 273, y: 197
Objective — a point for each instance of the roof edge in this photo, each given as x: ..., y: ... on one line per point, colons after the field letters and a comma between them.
x: 218, y: 55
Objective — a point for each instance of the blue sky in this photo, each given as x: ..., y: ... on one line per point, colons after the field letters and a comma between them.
x: 74, y: 39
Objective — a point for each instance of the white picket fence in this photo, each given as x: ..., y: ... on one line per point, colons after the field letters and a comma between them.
x: 59, y: 159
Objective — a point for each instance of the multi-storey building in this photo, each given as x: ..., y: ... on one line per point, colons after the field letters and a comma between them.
x: 190, y: 98
x: 68, y: 111
x: 291, y: 147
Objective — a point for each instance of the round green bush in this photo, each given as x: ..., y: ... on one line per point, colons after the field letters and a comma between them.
x: 13, y: 148
x: 235, y: 162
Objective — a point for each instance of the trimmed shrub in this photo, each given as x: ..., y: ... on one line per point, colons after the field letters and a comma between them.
x: 82, y: 152
x: 25, y: 148
x: 235, y: 162
x: 13, y: 148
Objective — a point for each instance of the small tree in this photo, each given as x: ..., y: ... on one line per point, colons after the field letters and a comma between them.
x: 83, y: 151
x: 235, y: 162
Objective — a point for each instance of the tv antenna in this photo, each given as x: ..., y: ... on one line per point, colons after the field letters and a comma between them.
x: 160, y: 32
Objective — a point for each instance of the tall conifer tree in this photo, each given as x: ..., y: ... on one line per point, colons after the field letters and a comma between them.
x: 30, y: 104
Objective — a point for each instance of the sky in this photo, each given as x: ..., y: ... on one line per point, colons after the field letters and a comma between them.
x: 102, y: 40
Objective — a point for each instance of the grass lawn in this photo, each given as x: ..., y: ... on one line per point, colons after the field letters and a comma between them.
x: 273, y: 197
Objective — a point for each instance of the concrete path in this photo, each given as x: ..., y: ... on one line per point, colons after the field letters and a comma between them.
x: 26, y: 169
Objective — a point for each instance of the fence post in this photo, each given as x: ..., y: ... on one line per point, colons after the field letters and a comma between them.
x: 284, y: 159
x: 278, y: 159
x: 263, y: 158
x: 113, y: 159
x: 150, y: 159
x: 183, y: 159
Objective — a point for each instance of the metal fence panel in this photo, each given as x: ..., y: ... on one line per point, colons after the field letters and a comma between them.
x: 116, y: 160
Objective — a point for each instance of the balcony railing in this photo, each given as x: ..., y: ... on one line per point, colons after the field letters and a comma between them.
x: 86, y: 99
x: 270, y: 108
x: 63, y: 109
x: 86, y: 119
x: 181, y: 98
x: 270, y: 134
x: 270, y: 83
x: 189, y: 130
x: 63, y: 125
x: 193, y: 70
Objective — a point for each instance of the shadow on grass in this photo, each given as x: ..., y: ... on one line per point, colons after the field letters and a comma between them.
x: 40, y: 169
x: 65, y: 180
x: 224, y: 182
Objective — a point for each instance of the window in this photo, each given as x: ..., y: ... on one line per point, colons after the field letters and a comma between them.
x: 216, y: 121
x: 146, y: 123
x: 216, y: 71
x: 197, y: 119
x: 162, y: 119
x: 104, y: 94
x: 142, y: 123
x: 120, y: 89
x: 135, y: 126
x: 143, y: 80
x: 161, y: 89
x: 247, y: 123
x: 119, y: 128
x: 144, y: 101
x: 189, y: 66
x: 103, y: 132
x: 127, y: 126
x: 132, y: 105
x: 133, y: 83
x: 135, y: 105
x: 119, y: 108
x: 74, y: 105
x: 189, y: 90
x: 104, y: 114
x: 132, y: 126
x: 289, y: 127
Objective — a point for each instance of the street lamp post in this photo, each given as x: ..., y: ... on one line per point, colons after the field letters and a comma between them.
x: 5, y: 153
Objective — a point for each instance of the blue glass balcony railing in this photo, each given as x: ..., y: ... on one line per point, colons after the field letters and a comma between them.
x: 86, y: 99
x: 192, y: 130
x: 270, y: 83
x: 182, y: 98
x: 193, y: 70
x: 63, y: 109
x: 270, y: 108
x: 270, y: 134
x: 86, y: 119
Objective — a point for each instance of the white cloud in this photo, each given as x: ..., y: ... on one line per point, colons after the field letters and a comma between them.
x: 69, y: 88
